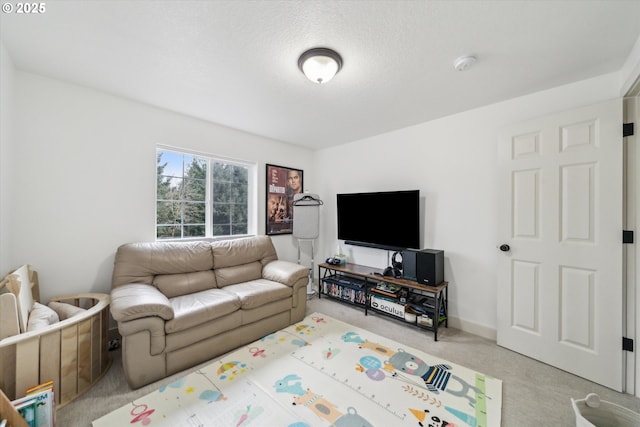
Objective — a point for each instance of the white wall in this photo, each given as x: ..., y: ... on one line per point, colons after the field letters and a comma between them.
x: 6, y: 138
x: 630, y: 71
x: 84, y: 177
x: 83, y: 171
x: 453, y: 162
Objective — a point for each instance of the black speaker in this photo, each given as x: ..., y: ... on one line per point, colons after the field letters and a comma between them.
x: 430, y: 267
x: 409, y: 264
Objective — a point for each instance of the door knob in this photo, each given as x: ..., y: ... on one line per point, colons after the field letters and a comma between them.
x: 504, y: 247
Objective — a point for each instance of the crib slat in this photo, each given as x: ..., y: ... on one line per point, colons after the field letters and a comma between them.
x: 50, y: 361
x: 84, y: 355
x: 69, y: 364
x: 96, y: 366
x: 7, y: 371
x: 104, y: 343
x: 27, y: 364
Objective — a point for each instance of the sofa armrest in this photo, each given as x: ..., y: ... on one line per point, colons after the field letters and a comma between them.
x: 285, y: 272
x: 153, y: 337
x: 137, y: 300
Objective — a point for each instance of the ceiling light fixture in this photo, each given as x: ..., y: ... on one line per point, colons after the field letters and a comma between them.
x: 464, y: 62
x: 320, y: 64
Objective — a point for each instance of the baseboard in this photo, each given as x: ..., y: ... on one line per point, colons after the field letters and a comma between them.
x: 473, y: 328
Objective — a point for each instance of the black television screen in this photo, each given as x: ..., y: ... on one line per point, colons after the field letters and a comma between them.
x: 384, y: 220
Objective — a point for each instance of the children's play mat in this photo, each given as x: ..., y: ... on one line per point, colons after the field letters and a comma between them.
x: 321, y: 372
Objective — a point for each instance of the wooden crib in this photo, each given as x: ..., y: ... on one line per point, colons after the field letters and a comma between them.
x: 73, y: 352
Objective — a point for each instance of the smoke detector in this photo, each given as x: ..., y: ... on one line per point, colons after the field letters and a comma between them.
x: 464, y: 62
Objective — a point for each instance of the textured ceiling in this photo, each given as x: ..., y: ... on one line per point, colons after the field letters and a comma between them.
x: 235, y: 62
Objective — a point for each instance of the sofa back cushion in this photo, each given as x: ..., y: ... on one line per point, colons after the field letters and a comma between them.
x: 239, y: 273
x: 241, y: 260
x: 141, y: 262
x: 173, y: 285
x: 180, y: 268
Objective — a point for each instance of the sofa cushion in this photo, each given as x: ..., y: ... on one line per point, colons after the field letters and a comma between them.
x: 140, y: 262
x: 200, y: 307
x: 238, y: 274
x: 255, y: 293
x: 173, y: 285
x: 188, y: 337
x: 64, y: 310
x: 229, y: 253
x: 40, y: 317
x: 265, y: 311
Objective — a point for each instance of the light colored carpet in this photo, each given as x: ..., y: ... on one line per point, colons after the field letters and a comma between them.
x: 533, y: 393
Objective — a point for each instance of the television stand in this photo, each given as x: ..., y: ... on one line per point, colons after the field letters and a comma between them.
x: 405, y: 300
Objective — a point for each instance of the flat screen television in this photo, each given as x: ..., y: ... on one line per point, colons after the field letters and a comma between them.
x: 384, y: 220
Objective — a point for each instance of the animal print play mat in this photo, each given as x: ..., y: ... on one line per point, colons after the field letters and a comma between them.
x: 321, y: 372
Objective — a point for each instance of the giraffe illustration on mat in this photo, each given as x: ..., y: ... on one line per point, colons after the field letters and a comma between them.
x: 318, y: 404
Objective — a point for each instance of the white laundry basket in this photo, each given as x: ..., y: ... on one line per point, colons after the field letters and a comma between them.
x: 593, y: 412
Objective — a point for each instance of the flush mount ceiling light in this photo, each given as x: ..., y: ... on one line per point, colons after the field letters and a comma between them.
x: 320, y: 64
x: 464, y: 62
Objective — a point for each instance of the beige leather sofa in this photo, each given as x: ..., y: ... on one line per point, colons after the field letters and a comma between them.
x: 181, y: 303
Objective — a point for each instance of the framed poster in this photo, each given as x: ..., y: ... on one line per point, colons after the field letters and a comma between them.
x: 282, y: 184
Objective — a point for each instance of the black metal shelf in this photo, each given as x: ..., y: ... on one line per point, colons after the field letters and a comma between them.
x: 353, y: 284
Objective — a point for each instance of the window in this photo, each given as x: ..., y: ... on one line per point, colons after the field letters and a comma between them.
x: 201, y: 196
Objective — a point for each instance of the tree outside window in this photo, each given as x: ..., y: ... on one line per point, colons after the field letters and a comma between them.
x: 183, y: 209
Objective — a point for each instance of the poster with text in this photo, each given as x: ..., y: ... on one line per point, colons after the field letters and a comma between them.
x: 283, y: 184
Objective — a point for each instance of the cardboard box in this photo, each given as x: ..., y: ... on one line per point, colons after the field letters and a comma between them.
x: 390, y: 307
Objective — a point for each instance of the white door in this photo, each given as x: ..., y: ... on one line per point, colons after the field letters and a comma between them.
x: 560, y: 280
